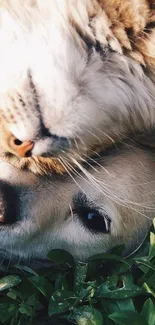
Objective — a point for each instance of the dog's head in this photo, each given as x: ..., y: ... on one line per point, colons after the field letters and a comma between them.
x: 113, y: 204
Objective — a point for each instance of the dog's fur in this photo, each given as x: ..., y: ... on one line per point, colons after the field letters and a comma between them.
x: 81, y: 69
x: 120, y: 186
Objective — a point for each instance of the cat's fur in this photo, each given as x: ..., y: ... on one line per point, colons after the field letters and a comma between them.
x: 78, y: 69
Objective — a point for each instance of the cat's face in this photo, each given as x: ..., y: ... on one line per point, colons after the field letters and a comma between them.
x: 114, y: 204
x: 61, y: 96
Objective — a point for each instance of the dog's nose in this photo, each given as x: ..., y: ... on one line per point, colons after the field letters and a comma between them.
x: 8, y: 204
x: 19, y: 148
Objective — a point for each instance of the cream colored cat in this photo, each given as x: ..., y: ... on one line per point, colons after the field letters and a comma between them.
x: 75, y: 76
x: 114, y: 204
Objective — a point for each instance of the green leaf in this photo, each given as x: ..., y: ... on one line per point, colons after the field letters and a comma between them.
x: 59, y: 256
x: 152, y: 246
x: 9, y: 281
x: 106, y: 320
x: 86, y: 316
x: 86, y: 293
x: 148, y: 289
x: 26, y: 288
x: 25, y: 269
x: 25, y: 320
x: 110, y: 257
x: 128, y: 318
x: 111, y: 306
x: 117, y: 250
x: 150, y: 280
x: 34, y: 302
x: 61, y: 282
x: 12, y: 294
x: 7, y: 310
x: 60, y: 302
x: 14, y: 319
x: 126, y: 304
x: 15, y: 295
x: 80, y: 276
x: 26, y: 309
x: 145, y: 264
x: 118, y: 288
x: 43, y: 285
x: 148, y: 312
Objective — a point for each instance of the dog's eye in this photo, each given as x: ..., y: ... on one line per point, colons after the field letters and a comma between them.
x: 94, y: 221
x: 91, y: 218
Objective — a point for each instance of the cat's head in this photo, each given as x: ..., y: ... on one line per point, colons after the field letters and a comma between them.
x: 70, y: 84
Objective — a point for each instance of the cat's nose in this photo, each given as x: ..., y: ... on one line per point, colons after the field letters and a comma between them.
x: 44, y: 145
x: 19, y: 148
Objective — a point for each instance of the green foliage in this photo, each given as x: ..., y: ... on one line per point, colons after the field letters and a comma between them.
x: 107, y: 290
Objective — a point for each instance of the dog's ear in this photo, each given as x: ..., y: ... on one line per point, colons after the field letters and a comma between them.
x: 146, y: 138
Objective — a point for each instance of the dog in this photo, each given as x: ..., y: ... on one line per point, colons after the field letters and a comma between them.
x: 112, y: 205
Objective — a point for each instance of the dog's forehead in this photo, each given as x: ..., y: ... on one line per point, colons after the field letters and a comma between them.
x: 14, y: 176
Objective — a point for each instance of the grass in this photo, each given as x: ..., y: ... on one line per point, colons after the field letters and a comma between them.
x: 107, y: 290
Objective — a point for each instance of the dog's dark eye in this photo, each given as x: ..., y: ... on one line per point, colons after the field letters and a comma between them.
x: 94, y: 221
x: 91, y: 218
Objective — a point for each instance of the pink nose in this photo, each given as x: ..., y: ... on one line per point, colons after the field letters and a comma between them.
x: 20, y: 149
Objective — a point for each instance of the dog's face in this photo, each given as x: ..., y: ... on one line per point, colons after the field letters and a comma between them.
x: 114, y: 204
x: 63, y: 94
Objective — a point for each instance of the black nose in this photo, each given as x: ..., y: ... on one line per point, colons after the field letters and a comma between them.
x: 8, y: 204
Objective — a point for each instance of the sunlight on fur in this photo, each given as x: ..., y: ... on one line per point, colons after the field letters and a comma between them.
x: 76, y: 76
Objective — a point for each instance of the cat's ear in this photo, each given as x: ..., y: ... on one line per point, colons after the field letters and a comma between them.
x: 101, y: 25
x: 92, y: 23
x: 122, y: 26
